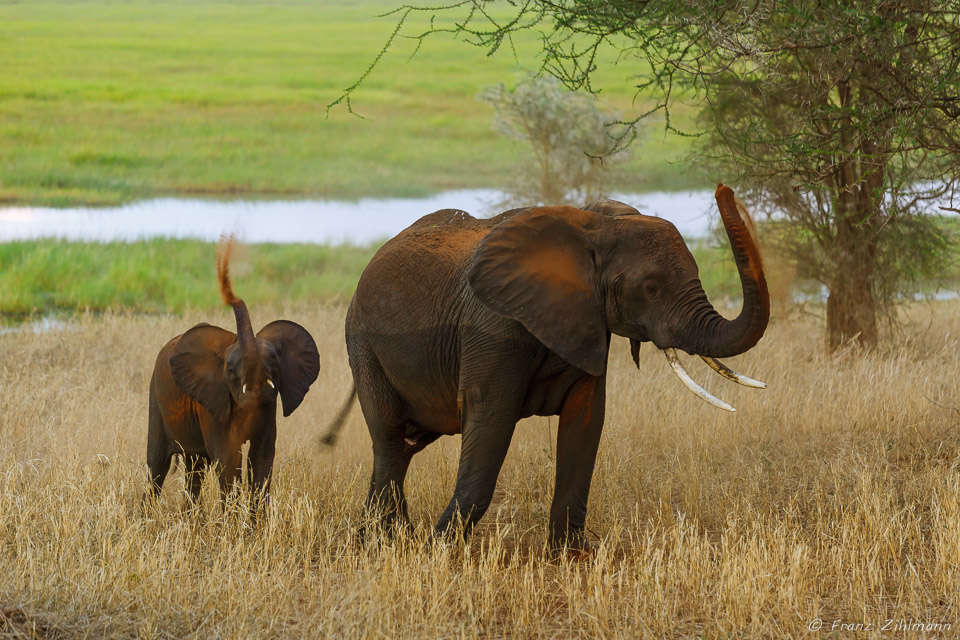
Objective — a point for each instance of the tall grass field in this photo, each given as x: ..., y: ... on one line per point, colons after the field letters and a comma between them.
x: 832, y: 498
x: 104, y: 102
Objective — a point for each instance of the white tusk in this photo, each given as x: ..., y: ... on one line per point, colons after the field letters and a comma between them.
x: 244, y: 388
x: 270, y: 382
x: 685, y: 378
x: 730, y: 374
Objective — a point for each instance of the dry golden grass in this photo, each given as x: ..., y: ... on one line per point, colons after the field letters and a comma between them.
x: 833, y: 495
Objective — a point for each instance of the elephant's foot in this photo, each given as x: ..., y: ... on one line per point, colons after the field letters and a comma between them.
x: 575, y: 555
x: 382, y: 525
x: 452, y: 529
x: 258, y: 512
x: 436, y: 541
x: 572, y: 543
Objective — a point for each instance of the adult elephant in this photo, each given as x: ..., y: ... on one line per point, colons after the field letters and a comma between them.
x: 460, y: 325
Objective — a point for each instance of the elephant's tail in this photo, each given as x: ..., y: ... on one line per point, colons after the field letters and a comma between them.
x: 334, y: 429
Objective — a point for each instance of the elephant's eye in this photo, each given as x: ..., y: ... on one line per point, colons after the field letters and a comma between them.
x: 651, y: 289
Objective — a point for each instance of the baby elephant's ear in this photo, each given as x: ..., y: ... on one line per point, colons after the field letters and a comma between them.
x: 197, y: 368
x: 298, y: 361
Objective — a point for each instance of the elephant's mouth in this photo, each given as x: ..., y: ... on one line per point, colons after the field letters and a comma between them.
x: 720, y: 368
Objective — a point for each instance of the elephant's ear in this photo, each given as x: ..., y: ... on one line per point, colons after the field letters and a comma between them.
x: 297, y: 362
x: 538, y: 268
x: 197, y: 368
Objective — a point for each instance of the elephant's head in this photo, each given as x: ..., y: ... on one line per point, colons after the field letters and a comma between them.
x: 571, y: 276
x: 237, y: 376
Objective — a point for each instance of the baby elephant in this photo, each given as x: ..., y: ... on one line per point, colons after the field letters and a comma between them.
x: 213, y: 390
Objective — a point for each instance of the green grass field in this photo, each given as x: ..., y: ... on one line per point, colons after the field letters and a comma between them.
x: 108, y: 102
x: 39, y: 277
x: 171, y: 276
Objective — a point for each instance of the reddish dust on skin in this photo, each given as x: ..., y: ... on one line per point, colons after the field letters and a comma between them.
x: 743, y: 229
x: 454, y: 245
x: 183, y: 408
x: 749, y: 224
x: 556, y: 266
x: 223, y: 270
x: 580, y: 403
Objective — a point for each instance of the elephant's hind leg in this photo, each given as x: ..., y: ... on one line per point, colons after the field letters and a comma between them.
x: 383, y: 410
x: 159, y: 452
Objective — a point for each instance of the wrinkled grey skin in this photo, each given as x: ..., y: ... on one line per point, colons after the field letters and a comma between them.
x: 461, y: 325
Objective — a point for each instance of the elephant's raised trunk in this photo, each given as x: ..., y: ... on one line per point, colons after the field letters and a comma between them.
x: 248, y: 343
x: 708, y: 334
x: 245, y: 337
x: 713, y: 335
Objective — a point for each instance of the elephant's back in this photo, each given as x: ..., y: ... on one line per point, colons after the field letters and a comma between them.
x: 448, y: 234
x: 415, y: 279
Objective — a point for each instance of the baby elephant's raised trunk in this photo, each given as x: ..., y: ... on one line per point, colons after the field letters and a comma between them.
x: 252, y: 363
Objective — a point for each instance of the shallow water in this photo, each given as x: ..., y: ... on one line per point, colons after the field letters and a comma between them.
x: 45, y: 324
x: 286, y: 221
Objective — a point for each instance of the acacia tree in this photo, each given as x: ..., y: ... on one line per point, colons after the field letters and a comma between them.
x: 839, y: 117
x: 842, y: 118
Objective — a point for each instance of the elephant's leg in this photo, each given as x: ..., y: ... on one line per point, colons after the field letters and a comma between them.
x: 159, y: 451
x: 158, y: 469
x: 385, y: 498
x: 194, y: 465
x: 383, y: 411
x: 578, y: 437
x: 229, y: 468
x: 225, y: 449
x: 485, y: 441
x: 260, y: 465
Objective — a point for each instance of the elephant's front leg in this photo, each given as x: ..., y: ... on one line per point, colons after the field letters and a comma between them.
x: 226, y: 450
x: 485, y: 440
x: 194, y: 465
x: 260, y: 466
x: 230, y: 465
x: 578, y: 437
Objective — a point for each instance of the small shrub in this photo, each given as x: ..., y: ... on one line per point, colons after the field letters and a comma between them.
x: 574, y: 144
